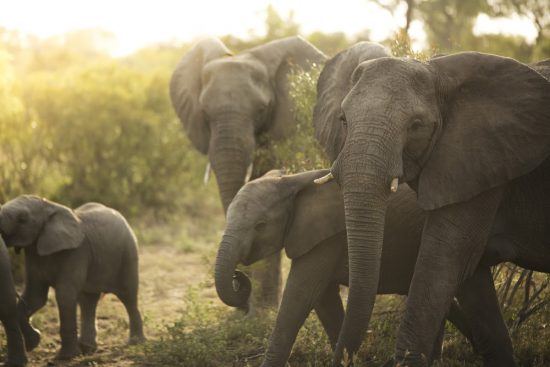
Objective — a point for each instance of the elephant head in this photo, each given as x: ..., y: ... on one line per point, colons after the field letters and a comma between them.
x: 28, y: 221
x: 225, y: 101
x: 452, y: 127
x: 268, y: 214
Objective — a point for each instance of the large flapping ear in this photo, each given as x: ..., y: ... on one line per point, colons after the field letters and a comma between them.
x: 318, y: 213
x: 62, y: 231
x: 496, y: 126
x: 280, y: 57
x: 332, y: 87
x: 186, y: 86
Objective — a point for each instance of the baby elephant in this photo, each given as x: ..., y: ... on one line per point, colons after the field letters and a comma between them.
x: 308, y: 221
x: 81, y: 254
x: 8, y: 312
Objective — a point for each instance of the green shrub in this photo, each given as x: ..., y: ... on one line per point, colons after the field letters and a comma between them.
x: 300, y: 151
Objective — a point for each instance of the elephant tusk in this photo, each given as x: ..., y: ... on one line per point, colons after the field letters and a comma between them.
x: 394, y: 184
x: 324, y: 179
x: 206, y: 177
x: 248, y: 172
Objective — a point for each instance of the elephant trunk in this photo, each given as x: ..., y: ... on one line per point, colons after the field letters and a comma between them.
x: 363, y: 176
x: 233, y: 287
x: 230, y: 153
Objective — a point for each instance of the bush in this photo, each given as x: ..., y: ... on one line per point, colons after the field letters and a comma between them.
x: 208, y: 335
x: 300, y: 151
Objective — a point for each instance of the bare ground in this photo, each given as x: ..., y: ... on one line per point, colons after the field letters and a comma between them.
x: 166, y: 274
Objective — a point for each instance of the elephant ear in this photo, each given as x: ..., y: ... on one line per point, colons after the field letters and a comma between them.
x: 62, y: 231
x: 185, y: 89
x: 318, y: 213
x: 543, y: 67
x: 332, y: 87
x: 495, y: 127
x: 280, y: 57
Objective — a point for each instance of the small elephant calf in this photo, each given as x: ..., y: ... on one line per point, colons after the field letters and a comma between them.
x: 278, y: 211
x: 81, y: 254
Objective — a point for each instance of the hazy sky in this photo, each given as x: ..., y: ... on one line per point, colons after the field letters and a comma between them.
x: 138, y: 23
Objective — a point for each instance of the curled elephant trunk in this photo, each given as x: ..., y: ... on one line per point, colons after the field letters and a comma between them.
x: 366, y: 190
x: 233, y: 287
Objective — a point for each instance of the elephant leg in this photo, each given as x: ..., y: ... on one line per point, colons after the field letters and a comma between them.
x: 331, y: 313
x: 267, y: 274
x: 66, y: 297
x: 88, y: 330
x: 307, y: 281
x: 8, y: 312
x: 130, y: 301
x: 16, y: 344
x: 479, y: 303
x: 33, y: 299
x: 453, y: 241
x: 438, y: 344
x: 458, y: 319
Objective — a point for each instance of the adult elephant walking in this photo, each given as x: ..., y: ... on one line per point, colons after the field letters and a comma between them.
x: 470, y: 133
x: 227, y: 101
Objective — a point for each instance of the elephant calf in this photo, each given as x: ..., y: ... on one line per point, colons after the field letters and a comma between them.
x: 8, y: 312
x: 81, y: 254
x: 308, y: 221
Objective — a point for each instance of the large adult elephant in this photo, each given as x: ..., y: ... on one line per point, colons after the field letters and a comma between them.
x: 227, y: 101
x: 470, y: 132
x: 307, y: 220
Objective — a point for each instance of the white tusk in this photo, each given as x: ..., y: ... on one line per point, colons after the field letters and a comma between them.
x: 206, y: 177
x: 324, y: 179
x: 248, y: 173
x: 394, y: 184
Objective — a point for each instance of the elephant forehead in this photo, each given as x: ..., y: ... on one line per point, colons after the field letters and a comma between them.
x: 235, y: 66
x: 23, y: 201
x: 394, y: 70
x: 254, y: 198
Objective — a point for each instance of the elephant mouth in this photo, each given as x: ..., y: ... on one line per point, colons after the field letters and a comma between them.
x: 258, y: 253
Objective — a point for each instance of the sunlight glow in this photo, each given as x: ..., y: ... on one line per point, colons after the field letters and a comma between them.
x: 138, y: 23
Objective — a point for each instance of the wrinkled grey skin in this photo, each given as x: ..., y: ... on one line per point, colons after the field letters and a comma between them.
x: 8, y: 312
x: 278, y: 211
x: 469, y: 132
x: 227, y: 101
x: 81, y: 254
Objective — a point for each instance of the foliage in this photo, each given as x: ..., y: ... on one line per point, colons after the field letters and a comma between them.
x: 103, y: 131
x: 300, y: 151
x: 538, y: 11
x: 208, y: 335
x: 401, y: 46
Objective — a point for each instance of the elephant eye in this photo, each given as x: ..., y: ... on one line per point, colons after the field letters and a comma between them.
x: 343, y: 120
x: 416, y: 125
x: 22, y: 217
x: 260, y: 226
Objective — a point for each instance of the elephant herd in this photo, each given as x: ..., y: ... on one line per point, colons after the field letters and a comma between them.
x: 440, y: 170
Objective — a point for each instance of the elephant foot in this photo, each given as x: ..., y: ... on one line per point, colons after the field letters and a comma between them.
x: 410, y: 360
x: 32, y: 338
x: 15, y: 362
x: 137, y: 339
x: 68, y: 353
x: 87, y: 347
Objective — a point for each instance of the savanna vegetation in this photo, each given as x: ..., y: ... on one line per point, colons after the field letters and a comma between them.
x: 78, y: 125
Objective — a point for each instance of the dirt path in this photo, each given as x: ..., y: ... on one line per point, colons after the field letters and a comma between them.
x: 166, y: 274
